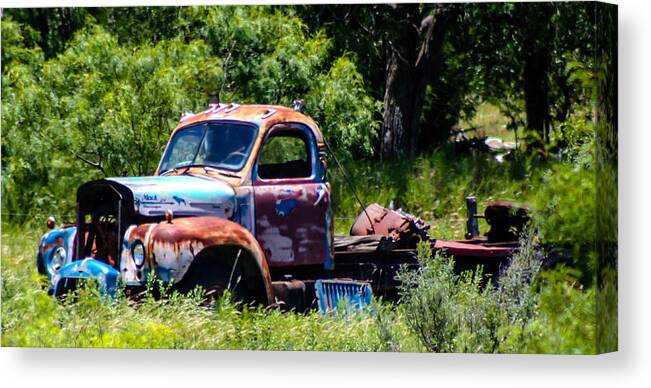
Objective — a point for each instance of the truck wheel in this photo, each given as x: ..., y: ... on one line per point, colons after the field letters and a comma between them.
x: 214, y: 276
x: 212, y: 295
x: 40, y: 264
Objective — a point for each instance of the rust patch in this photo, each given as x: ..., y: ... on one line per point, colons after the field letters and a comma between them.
x: 46, y: 247
x: 506, y: 219
x: 404, y: 229
x: 174, y: 246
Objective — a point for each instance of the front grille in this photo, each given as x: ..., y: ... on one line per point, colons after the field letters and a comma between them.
x: 102, y: 213
x: 331, y: 293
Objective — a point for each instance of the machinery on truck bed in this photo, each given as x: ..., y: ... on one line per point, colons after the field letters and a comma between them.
x: 240, y: 201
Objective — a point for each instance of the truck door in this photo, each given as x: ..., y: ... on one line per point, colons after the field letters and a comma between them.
x: 292, y: 200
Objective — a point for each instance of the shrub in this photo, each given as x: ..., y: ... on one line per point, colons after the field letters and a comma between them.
x: 459, y: 313
x: 565, y: 320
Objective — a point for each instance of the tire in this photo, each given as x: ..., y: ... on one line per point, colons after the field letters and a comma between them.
x: 214, y: 277
x: 40, y: 264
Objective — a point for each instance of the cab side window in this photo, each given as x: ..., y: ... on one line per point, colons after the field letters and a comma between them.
x: 285, y: 155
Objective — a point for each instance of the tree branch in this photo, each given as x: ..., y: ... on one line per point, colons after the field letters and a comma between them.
x: 97, y: 165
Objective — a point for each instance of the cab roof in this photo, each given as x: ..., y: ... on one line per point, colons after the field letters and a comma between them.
x: 264, y: 116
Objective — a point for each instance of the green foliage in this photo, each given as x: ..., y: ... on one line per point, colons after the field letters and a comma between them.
x: 487, y: 120
x: 100, y: 102
x: 505, y: 41
x: 606, y: 311
x: 283, y: 149
x: 441, y: 311
x: 606, y: 156
x: 565, y: 211
x: 575, y: 142
x: 19, y: 44
x: 434, y: 186
x: 525, y: 312
x: 565, y: 319
x: 338, y: 100
x: 103, y: 107
x: 553, y: 316
x: 467, y: 313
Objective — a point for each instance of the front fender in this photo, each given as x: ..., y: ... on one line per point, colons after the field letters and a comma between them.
x: 172, y: 247
x: 61, y: 237
x: 89, y: 268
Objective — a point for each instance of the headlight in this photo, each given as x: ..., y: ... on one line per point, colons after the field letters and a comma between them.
x: 138, y: 253
x: 58, y: 259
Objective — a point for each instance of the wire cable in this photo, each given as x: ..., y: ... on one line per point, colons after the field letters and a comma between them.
x: 350, y: 183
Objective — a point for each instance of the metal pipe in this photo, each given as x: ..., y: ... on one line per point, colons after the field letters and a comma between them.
x: 472, y: 223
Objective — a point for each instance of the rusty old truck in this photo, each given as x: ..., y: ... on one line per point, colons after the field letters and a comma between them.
x: 241, y: 201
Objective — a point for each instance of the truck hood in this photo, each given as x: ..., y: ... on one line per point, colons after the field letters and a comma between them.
x: 183, y: 194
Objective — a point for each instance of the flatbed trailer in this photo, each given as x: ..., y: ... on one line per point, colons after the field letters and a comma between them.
x: 374, y: 260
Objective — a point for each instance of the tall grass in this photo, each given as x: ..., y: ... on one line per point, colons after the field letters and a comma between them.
x: 488, y: 121
x: 32, y: 318
x: 440, y: 311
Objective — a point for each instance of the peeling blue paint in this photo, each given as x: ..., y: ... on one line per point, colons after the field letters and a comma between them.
x: 284, y: 207
x: 329, y: 262
x: 89, y: 268
x: 165, y: 274
x: 184, y: 195
x: 64, y: 237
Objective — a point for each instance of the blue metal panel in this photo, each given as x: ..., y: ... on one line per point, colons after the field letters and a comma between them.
x: 330, y: 293
x: 89, y: 268
x: 184, y: 195
x: 329, y: 227
x: 244, y: 214
x: 63, y: 237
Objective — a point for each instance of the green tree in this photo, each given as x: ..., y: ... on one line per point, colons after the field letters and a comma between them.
x: 529, y: 57
x: 106, y: 104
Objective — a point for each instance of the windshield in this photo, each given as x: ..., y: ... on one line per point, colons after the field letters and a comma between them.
x: 220, y: 145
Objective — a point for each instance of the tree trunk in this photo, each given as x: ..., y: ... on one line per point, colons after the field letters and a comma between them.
x: 412, y: 43
x: 41, y: 20
x: 396, y: 117
x: 536, y: 89
x: 537, y: 63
